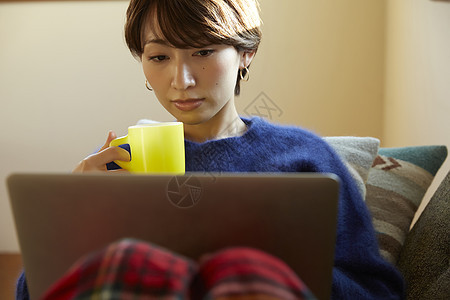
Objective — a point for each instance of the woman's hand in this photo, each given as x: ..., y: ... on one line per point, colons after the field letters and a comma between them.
x: 107, y: 154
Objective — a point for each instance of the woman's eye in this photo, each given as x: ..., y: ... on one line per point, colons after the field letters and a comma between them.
x: 157, y: 58
x: 204, y: 53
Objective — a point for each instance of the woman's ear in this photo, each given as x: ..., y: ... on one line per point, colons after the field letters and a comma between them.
x: 246, y: 58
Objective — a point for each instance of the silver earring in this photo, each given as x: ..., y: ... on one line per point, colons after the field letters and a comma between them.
x: 246, y: 76
x: 147, y: 86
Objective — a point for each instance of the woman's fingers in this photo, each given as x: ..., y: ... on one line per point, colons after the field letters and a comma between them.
x: 110, y: 154
x: 98, y: 161
x: 106, y: 154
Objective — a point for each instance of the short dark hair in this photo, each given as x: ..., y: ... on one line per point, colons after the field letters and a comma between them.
x: 196, y: 23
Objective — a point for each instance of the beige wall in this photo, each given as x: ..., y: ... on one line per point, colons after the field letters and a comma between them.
x: 417, y: 81
x: 66, y: 78
x: 322, y: 62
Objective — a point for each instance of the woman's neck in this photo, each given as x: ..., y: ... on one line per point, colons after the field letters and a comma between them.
x: 224, y: 124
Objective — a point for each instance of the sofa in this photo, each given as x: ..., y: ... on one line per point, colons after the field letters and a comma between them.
x: 393, y: 182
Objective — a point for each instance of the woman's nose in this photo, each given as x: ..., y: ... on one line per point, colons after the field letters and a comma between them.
x: 182, y: 77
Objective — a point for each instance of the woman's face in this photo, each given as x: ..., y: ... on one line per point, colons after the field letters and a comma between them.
x: 193, y: 84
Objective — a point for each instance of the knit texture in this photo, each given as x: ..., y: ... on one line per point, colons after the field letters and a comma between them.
x: 359, y: 271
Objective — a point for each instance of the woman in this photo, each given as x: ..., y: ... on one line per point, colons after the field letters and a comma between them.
x: 194, y: 55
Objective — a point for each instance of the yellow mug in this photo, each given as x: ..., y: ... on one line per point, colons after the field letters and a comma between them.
x: 155, y: 148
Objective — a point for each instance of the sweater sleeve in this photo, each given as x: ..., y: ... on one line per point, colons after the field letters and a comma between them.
x: 22, y: 288
x: 359, y: 271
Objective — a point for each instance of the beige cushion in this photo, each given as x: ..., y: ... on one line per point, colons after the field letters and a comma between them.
x: 358, y: 153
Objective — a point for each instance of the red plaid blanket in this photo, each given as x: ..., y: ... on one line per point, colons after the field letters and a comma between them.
x: 131, y: 269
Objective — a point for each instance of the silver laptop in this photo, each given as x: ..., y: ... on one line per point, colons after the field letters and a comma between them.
x: 61, y: 217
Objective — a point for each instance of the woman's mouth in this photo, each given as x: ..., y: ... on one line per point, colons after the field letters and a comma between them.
x: 187, y: 104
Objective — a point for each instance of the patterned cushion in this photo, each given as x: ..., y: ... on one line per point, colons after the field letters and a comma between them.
x: 396, y: 185
x: 358, y: 154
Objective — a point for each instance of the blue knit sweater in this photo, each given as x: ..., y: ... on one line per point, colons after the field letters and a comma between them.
x: 359, y: 271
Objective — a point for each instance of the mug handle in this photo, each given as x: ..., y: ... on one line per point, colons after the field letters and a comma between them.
x: 117, y: 143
